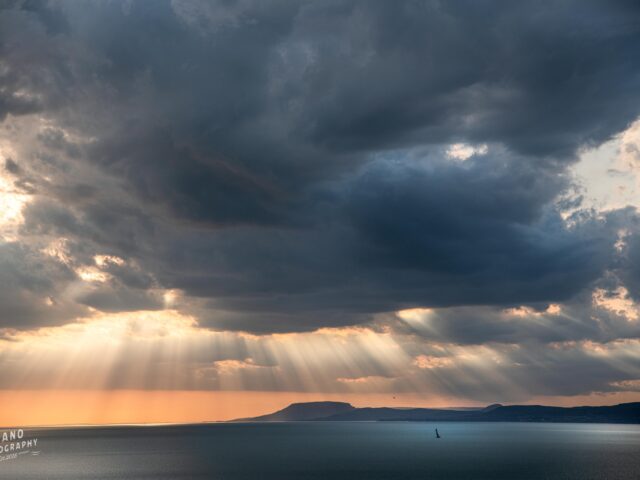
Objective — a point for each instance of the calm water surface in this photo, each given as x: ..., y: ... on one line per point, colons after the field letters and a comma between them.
x: 334, y: 451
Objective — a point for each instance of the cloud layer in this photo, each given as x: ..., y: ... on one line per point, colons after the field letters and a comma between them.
x: 288, y: 166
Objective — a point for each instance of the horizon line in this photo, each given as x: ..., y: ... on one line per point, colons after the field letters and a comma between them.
x: 204, y: 422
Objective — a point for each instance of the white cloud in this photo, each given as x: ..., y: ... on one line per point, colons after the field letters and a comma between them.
x: 609, y: 175
x: 464, y: 151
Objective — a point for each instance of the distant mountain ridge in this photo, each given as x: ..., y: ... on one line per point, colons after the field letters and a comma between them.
x: 340, y: 411
x: 299, y: 412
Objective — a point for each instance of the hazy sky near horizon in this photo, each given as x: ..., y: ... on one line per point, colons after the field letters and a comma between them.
x: 416, y: 198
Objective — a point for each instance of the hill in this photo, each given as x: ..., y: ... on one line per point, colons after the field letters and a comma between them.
x: 339, y: 411
x: 298, y: 412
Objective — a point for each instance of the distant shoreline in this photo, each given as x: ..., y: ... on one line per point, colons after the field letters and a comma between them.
x: 624, y: 413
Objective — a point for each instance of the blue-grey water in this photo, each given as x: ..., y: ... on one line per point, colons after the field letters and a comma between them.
x: 334, y: 451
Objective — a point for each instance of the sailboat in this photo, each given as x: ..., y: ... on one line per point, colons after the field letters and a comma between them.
x: 437, y: 434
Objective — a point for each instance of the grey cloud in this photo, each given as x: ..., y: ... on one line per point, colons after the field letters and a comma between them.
x: 528, y: 76
x: 398, y: 235
x: 113, y: 225
x: 117, y: 298
x: 11, y: 166
x: 577, y: 321
x: 284, y: 164
x: 224, y: 121
x: 33, y: 288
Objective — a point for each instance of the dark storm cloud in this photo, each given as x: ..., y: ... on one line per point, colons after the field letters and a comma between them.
x: 284, y: 163
x: 490, y: 325
x: 32, y: 289
x: 116, y: 298
x: 115, y: 225
x: 397, y: 235
x: 541, y: 78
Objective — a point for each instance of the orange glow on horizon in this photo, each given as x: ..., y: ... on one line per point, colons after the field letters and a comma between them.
x: 29, y: 408
x: 84, y: 407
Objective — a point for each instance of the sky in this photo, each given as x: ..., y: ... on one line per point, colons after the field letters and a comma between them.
x: 212, y: 209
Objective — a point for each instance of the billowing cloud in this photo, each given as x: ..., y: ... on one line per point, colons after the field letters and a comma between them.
x: 281, y: 167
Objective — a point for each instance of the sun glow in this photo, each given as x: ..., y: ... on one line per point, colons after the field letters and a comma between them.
x: 463, y: 151
x: 152, y: 366
x: 619, y: 303
x: 12, y: 201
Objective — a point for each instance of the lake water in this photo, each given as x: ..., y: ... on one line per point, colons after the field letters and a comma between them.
x: 334, y: 451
